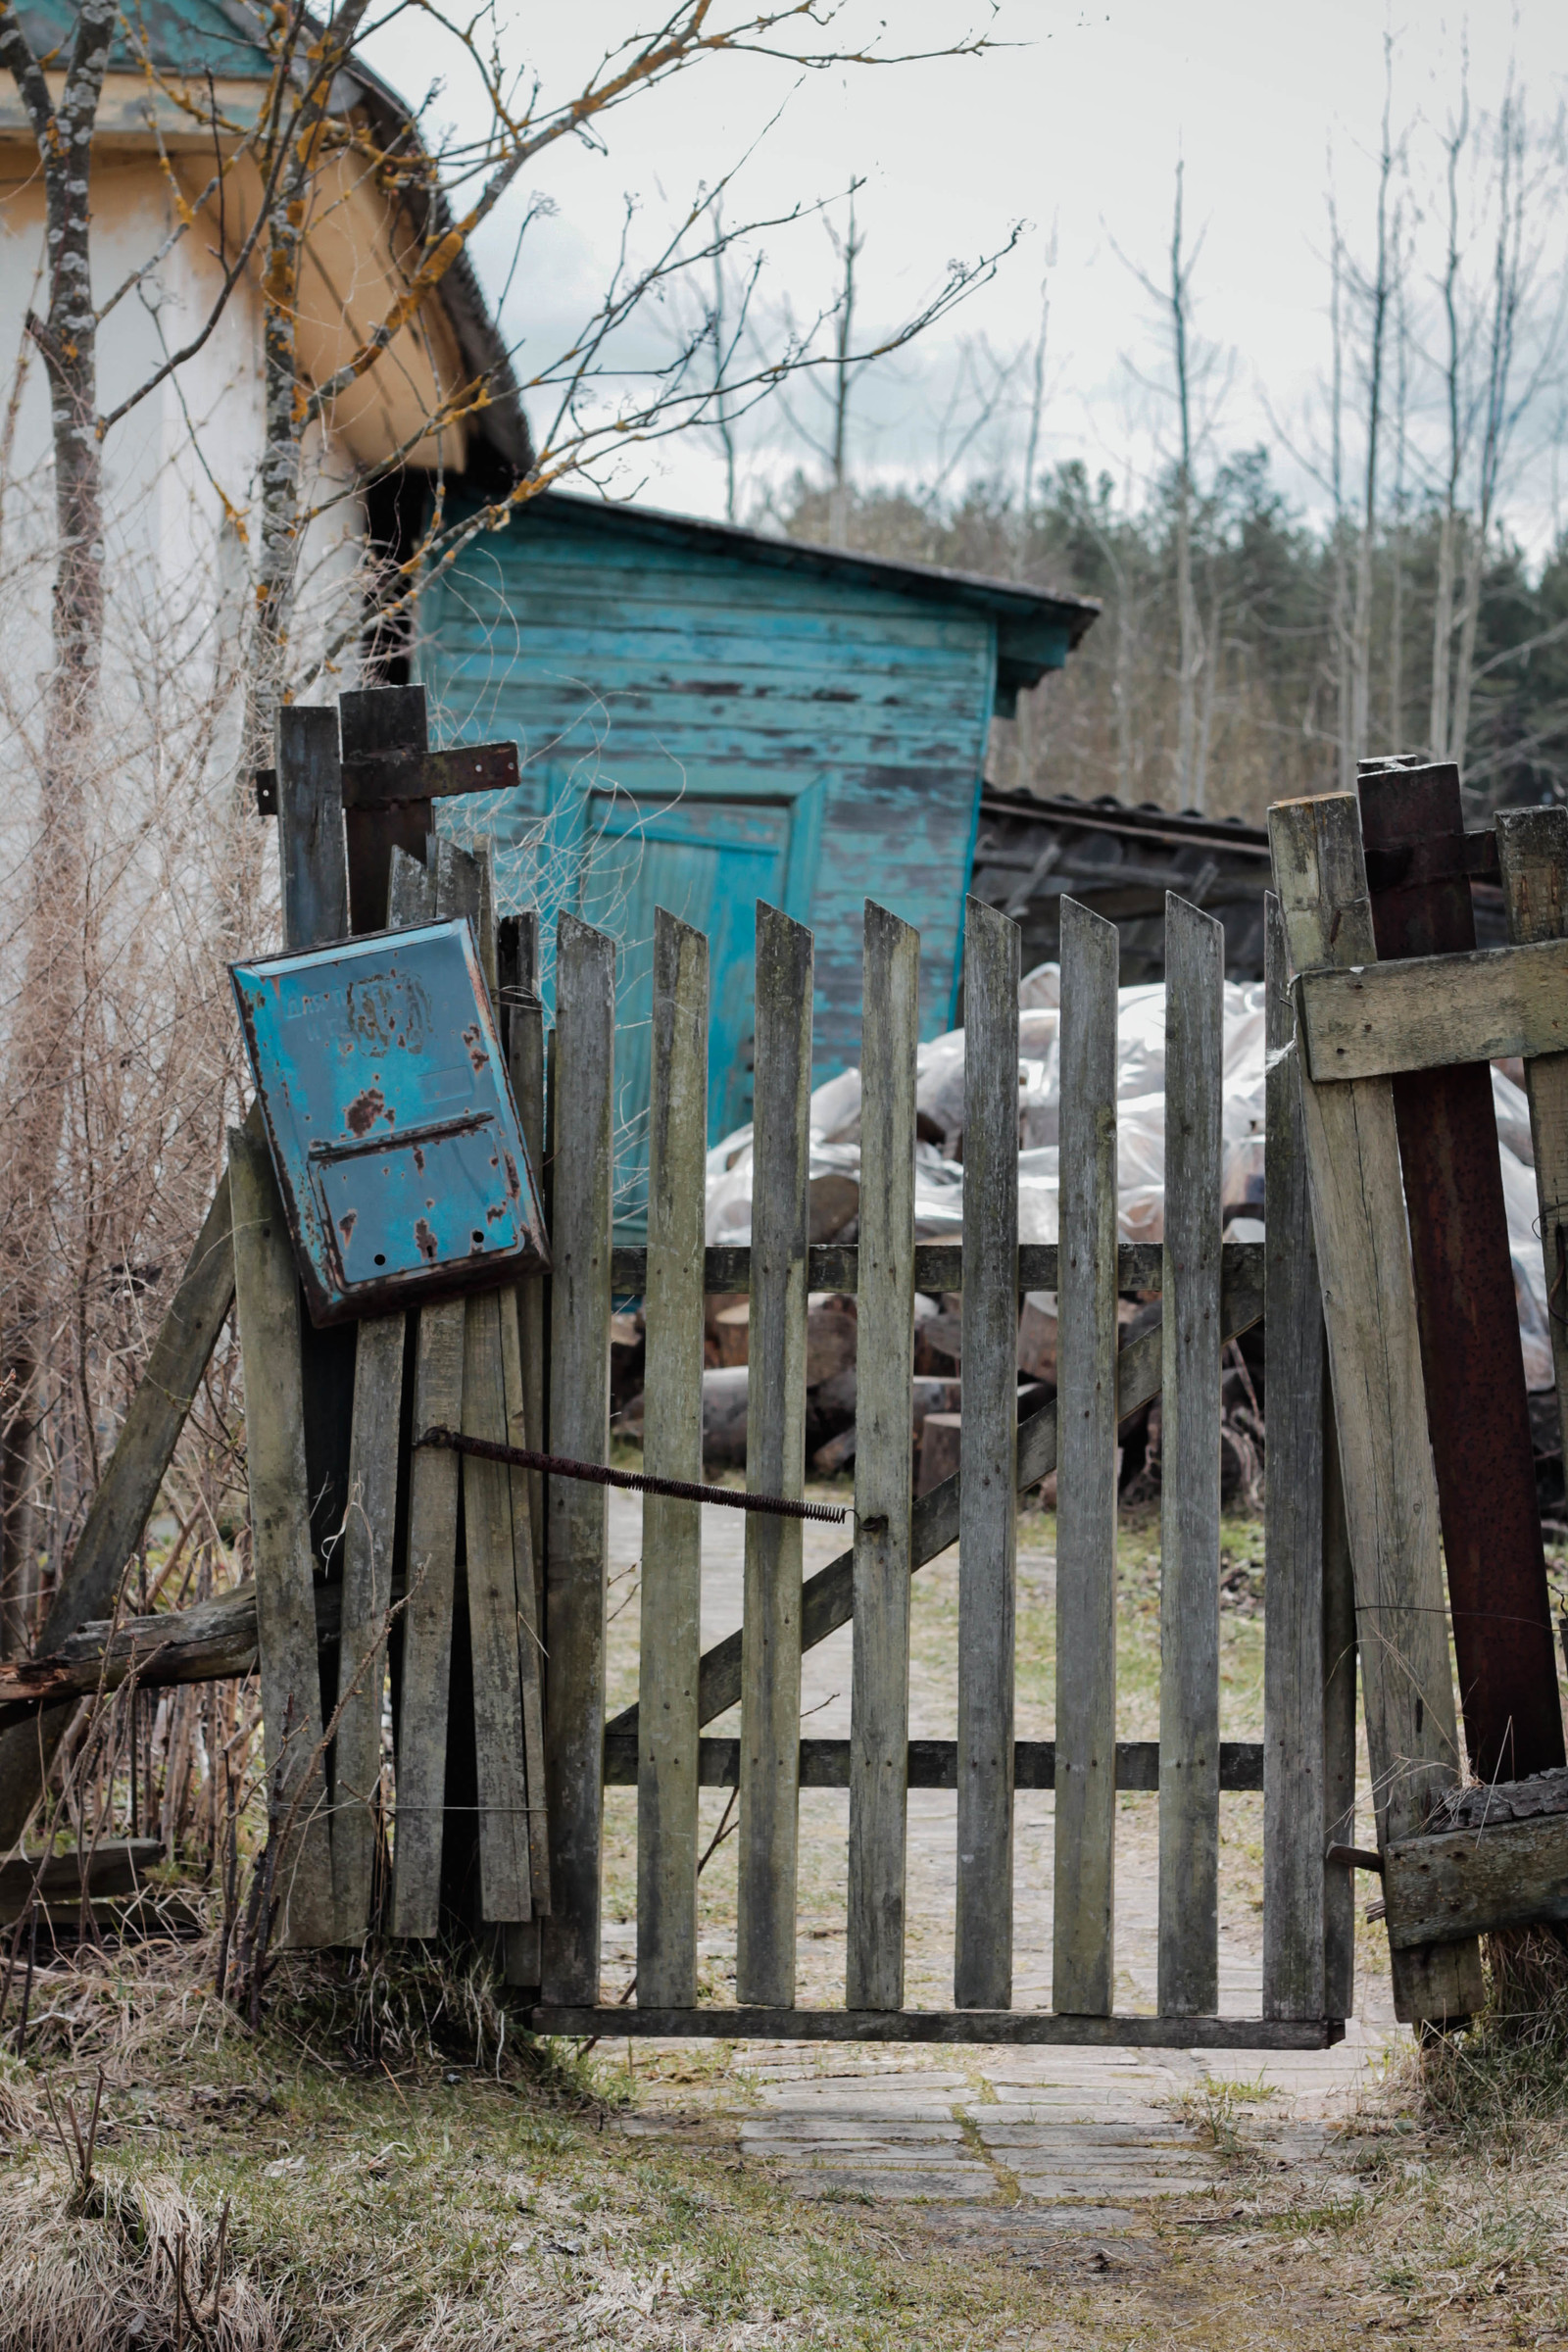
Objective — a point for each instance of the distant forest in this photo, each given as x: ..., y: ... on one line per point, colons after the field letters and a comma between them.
x: 1271, y: 596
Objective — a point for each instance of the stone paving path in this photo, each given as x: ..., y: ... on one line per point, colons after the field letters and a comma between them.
x: 1016, y: 2140
x: 1003, y: 2142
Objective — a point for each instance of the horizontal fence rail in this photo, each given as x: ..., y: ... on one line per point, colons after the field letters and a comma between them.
x: 938, y: 1267
x: 933, y: 1764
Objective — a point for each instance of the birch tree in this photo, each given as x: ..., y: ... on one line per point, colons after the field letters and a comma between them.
x: 287, y: 155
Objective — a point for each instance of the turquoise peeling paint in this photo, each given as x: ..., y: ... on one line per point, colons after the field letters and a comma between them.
x: 182, y: 37
x: 703, y: 725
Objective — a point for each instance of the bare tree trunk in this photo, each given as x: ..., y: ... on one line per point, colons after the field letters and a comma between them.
x: 1122, y: 691
x: 1205, y: 725
x: 1190, y: 785
x: 1508, y: 290
x: 1024, y: 721
x: 1396, y: 544
x: 838, y: 508
x: 286, y: 407
x: 1361, y: 628
x: 1448, y: 521
x: 1338, y: 616
x: 1037, y: 410
x: 50, y: 1002
x: 723, y: 417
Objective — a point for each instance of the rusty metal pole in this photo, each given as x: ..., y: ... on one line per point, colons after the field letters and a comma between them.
x: 1418, y: 878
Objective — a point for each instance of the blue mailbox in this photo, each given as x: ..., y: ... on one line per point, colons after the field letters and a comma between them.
x: 390, y: 1119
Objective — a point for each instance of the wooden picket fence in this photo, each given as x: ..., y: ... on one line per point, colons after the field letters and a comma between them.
x: 1211, y: 1290
x: 333, y: 1429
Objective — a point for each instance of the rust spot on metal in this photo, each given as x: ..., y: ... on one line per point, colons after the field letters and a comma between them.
x: 346, y: 1225
x: 418, y: 1158
x: 513, y: 1180
x: 473, y: 1039
x: 424, y: 1240
x: 365, y: 1110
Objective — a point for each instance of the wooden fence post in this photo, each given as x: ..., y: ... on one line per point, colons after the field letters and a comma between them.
x: 988, y: 1460
x: 879, y: 1734
x: 579, y: 1426
x: 776, y: 1464
x: 1391, y: 1502
x: 1083, y: 1972
x: 268, y: 1296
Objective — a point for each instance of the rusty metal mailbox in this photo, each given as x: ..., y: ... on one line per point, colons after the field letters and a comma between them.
x: 389, y: 1114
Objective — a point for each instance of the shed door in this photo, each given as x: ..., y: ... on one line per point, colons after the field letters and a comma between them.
x: 707, y: 862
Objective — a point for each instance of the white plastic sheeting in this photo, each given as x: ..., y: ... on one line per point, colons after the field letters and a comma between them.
x: 1140, y: 1139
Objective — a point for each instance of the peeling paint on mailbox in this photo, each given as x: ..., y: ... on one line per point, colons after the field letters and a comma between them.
x: 393, y: 1131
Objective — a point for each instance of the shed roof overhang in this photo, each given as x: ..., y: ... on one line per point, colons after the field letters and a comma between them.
x: 1037, y: 628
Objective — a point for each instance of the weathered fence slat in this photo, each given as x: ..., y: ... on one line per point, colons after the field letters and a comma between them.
x: 673, y: 1447
x: 493, y: 1624
x: 1339, y: 1726
x: 385, y: 730
x: 310, y: 825
x: 523, y: 1337
x: 525, y: 1062
x: 1391, y: 1502
x: 879, y: 1735
x: 368, y: 1543
x: 526, y: 1628
x: 1083, y: 1930
x: 463, y: 888
x: 432, y: 1536
x: 987, y: 1460
x: 579, y: 1426
x: 421, y: 1743
x: 1533, y: 852
x: 266, y: 1289
x: 1190, y: 1426
x: 1295, y: 1832
x: 776, y: 1464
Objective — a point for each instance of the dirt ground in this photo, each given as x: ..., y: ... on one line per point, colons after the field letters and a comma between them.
x: 389, y: 2163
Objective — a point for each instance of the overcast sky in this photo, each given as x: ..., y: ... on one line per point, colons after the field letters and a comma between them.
x: 1074, y: 127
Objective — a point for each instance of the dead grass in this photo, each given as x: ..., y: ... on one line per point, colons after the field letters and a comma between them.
x: 401, y: 2169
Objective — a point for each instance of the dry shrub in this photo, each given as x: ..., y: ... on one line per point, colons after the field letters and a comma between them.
x: 143, y: 2266
x: 1504, y: 2078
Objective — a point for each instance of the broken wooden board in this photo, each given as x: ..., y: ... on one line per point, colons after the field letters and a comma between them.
x: 1512, y: 1873
x: 129, y: 1488
x: 1372, y: 1020
x: 116, y: 1872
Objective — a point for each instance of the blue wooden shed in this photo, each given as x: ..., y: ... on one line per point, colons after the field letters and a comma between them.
x: 707, y: 716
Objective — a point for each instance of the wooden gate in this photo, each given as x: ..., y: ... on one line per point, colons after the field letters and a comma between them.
x: 1211, y: 1290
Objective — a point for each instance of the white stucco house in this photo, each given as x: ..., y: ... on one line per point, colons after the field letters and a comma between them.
x: 181, y: 466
